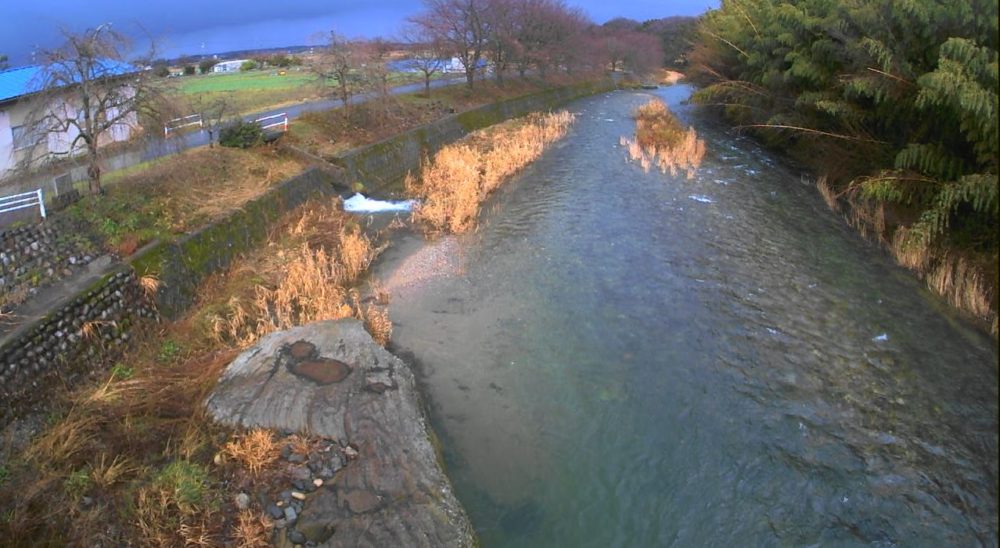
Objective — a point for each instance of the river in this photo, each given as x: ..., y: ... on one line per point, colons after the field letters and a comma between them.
x: 620, y: 358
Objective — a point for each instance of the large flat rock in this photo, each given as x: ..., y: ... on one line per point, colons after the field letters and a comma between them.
x: 330, y: 379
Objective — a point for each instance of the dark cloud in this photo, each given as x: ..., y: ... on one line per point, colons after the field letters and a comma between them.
x: 234, y: 24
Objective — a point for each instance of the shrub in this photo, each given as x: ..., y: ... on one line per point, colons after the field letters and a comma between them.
x: 241, y: 135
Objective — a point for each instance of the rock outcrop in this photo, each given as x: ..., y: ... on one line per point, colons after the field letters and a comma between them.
x: 330, y: 379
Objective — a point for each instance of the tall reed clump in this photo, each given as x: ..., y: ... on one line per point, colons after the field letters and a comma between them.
x: 661, y: 140
x: 308, y: 281
x: 452, y: 185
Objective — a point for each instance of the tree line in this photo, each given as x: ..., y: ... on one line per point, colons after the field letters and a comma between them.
x: 501, y: 37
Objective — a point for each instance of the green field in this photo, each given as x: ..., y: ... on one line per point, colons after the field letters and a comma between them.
x: 244, y: 81
x: 256, y: 90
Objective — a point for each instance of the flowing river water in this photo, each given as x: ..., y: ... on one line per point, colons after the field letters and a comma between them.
x: 620, y: 358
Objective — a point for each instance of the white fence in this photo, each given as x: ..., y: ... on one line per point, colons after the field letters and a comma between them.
x: 182, y: 122
x: 23, y: 201
x: 278, y: 120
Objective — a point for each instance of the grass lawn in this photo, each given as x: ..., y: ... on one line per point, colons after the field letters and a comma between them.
x: 256, y: 90
x: 245, y: 81
x: 180, y: 193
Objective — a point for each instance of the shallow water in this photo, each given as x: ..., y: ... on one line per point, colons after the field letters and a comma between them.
x: 620, y: 358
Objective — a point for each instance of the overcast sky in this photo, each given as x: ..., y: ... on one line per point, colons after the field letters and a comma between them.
x: 210, y: 26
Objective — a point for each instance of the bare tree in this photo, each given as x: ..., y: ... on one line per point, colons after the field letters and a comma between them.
x: 90, y: 95
x: 375, y: 58
x: 215, y: 112
x: 340, y: 60
x: 549, y: 34
x: 462, y: 26
x: 426, y: 53
x: 505, y: 22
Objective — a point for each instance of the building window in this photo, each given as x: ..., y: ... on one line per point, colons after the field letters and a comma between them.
x: 26, y: 137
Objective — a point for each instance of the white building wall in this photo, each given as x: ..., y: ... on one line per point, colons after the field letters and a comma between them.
x: 6, y: 144
x: 229, y: 66
x: 55, y: 145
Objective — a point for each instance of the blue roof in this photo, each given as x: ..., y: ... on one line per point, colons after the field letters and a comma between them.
x: 21, y: 81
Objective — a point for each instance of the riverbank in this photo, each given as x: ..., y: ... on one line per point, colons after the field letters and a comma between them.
x: 134, y: 455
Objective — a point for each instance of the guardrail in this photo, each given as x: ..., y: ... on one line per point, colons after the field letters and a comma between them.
x: 283, y: 122
x: 169, y: 126
x: 23, y: 201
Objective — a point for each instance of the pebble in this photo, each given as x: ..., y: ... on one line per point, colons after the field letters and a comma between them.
x: 297, y: 495
x: 297, y: 537
x: 242, y: 501
x: 275, y: 512
x: 318, y: 482
x: 290, y: 515
x: 296, y: 458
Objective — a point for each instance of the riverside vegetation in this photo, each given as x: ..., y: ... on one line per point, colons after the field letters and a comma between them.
x: 451, y: 186
x: 662, y: 140
x: 135, y: 456
x: 896, y: 109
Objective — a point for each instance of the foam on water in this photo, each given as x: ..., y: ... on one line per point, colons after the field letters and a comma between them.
x: 359, y: 203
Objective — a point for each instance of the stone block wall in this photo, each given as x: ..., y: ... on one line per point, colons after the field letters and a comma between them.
x: 79, y: 335
x: 35, y: 256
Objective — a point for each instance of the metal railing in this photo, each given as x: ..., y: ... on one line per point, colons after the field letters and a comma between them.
x: 171, y: 125
x: 23, y: 201
x: 282, y: 121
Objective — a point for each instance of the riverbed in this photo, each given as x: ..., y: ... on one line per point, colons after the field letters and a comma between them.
x: 622, y: 358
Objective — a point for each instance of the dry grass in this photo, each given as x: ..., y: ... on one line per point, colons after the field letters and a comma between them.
x: 252, y: 530
x: 828, y: 193
x: 377, y: 323
x: 963, y: 281
x: 304, y: 275
x: 958, y: 279
x: 181, y: 193
x: 254, y: 450
x: 452, y: 185
x: 661, y: 140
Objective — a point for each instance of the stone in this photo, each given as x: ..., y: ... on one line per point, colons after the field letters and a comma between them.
x: 274, y: 512
x: 296, y: 458
x: 297, y: 537
x: 318, y: 482
x: 243, y: 501
x: 290, y: 515
x: 392, y: 492
x: 298, y: 495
